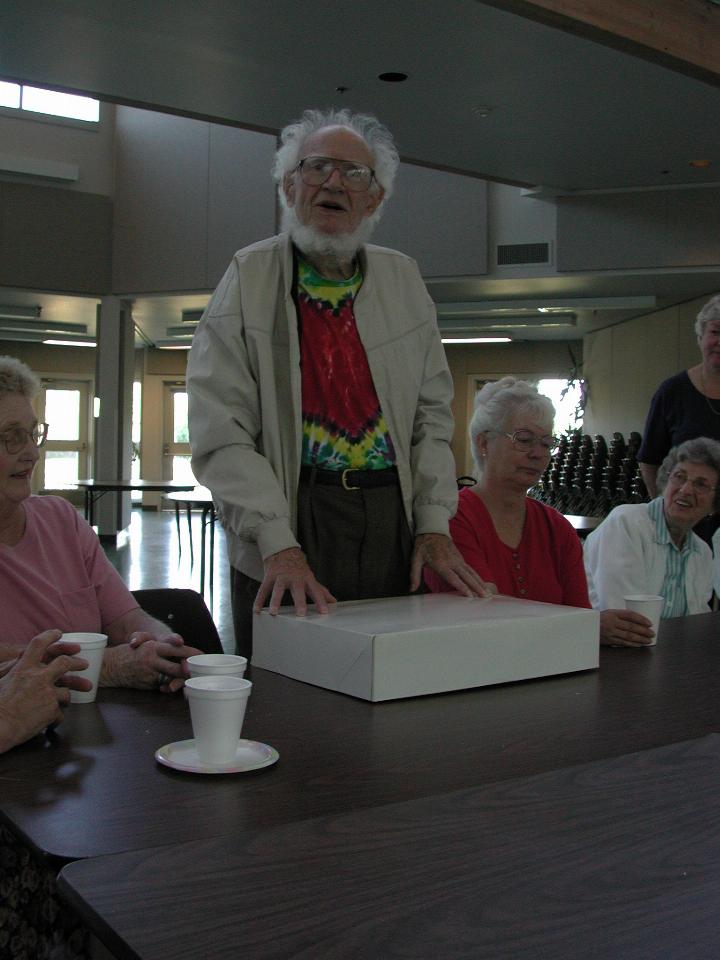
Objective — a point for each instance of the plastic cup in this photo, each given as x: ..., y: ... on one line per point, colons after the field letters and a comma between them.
x: 92, y: 648
x: 649, y: 606
x: 216, y: 665
x: 217, y: 711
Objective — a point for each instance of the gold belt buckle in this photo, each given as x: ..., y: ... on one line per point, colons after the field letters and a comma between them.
x: 343, y: 480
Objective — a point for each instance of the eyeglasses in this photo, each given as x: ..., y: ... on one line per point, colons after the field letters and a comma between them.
x: 17, y: 437
x: 315, y: 171
x: 526, y: 440
x: 699, y: 484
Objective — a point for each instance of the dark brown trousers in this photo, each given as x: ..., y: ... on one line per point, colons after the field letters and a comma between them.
x: 357, y: 542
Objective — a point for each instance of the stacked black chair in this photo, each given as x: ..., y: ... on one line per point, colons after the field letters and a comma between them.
x: 588, y: 477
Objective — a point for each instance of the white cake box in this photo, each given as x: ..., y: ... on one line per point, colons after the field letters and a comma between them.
x: 409, y: 646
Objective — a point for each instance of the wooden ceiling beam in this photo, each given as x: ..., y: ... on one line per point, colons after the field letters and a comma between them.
x: 683, y: 35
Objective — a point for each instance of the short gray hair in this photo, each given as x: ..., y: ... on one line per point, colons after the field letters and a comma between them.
x: 495, y: 403
x: 700, y: 450
x: 17, y: 378
x: 378, y: 138
x: 710, y: 312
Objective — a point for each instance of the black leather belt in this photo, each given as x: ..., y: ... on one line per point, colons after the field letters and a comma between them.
x: 350, y: 479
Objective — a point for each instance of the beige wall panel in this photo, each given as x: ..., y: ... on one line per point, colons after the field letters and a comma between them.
x: 160, y: 229
x: 688, y: 349
x: 61, y: 360
x: 172, y: 363
x: 639, y: 358
x: 241, y: 201
x: 597, y: 370
x: 625, y: 364
x: 89, y: 147
x: 151, y: 449
x: 54, y: 239
x: 439, y: 219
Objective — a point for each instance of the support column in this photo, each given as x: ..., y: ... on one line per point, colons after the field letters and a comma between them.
x: 115, y: 365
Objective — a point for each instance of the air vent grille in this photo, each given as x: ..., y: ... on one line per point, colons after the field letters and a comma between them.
x: 518, y: 253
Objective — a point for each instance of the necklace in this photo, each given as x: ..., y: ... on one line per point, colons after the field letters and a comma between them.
x: 707, y: 398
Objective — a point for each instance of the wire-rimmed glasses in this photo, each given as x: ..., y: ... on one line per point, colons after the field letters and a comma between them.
x: 15, y: 438
x: 526, y: 440
x: 356, y: 177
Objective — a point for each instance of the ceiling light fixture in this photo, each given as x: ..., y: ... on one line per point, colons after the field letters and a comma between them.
x: 176, y: 344
x: 7, y: 323
x: 477, y: 340
x: 70, y: 343
x: 19, y: 313
x: 184, y: 331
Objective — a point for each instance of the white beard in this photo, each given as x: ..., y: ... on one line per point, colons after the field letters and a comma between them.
x: 312, y: 241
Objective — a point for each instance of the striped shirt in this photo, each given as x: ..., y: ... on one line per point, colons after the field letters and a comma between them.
x: 673, y: 588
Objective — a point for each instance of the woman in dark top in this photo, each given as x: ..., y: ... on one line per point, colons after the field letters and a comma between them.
x: 686, y: 406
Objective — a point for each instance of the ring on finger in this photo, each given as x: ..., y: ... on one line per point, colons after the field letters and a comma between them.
x: 162, y: 679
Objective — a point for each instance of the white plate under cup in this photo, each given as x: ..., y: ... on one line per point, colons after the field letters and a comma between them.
x: 216, y: 665
x: 650, y: 606
x: 217, y: 711
x: 92, y: 648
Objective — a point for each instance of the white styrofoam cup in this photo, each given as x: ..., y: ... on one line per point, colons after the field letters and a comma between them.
x: 216, y: 665
x: 649, y: 606
x: 217, y: 711
x: 92, y: 648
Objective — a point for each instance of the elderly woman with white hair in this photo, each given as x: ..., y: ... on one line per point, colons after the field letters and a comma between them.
x: 686, y: 405
x: 54, y: 574
x: 650, y: 548
x: 524, y: 547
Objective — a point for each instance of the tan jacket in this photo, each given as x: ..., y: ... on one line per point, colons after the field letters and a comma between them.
x: 243, y: 380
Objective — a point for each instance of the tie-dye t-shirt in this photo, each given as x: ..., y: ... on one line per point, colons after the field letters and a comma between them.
x: 343, y: 425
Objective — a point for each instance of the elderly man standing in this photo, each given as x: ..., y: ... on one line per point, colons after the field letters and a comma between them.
x: 319, y: 394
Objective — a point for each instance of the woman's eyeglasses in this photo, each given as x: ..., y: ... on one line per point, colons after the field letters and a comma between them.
x: 526, y: 440
x: 17, y: 437
x: 699, y: 484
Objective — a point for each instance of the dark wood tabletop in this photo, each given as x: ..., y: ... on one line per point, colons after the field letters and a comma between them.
x: 96, y: 488
x: 126, y: 484
x: 615, y: 859
x: 94, y: 787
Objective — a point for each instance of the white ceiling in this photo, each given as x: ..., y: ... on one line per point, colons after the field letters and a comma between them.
x: 564, y: 112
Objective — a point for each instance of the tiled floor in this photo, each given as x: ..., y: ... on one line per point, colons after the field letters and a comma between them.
x: 152, y: 557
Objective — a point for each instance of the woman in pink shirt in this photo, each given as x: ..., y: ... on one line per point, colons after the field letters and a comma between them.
x: 54, y: 574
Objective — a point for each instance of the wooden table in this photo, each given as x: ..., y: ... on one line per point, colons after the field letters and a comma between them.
x: 614, y: 859
x: 94, y: 489
x: 198, y: 498
x: 95, y: 788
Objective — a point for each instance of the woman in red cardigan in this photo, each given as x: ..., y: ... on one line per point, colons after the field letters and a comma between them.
x: 524, y: 547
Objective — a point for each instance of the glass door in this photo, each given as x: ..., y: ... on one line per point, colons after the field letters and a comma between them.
x: 63, y: 405
x: 176, y: 445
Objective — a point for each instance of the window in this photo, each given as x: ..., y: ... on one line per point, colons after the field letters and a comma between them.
x: 49, y: 102
x: 176, y: 446
x: 568, y: 400
x: 64, y: 458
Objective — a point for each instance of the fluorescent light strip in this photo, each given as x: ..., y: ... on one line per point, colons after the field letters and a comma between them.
x: 70, y: 343
x: 477, y: 340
